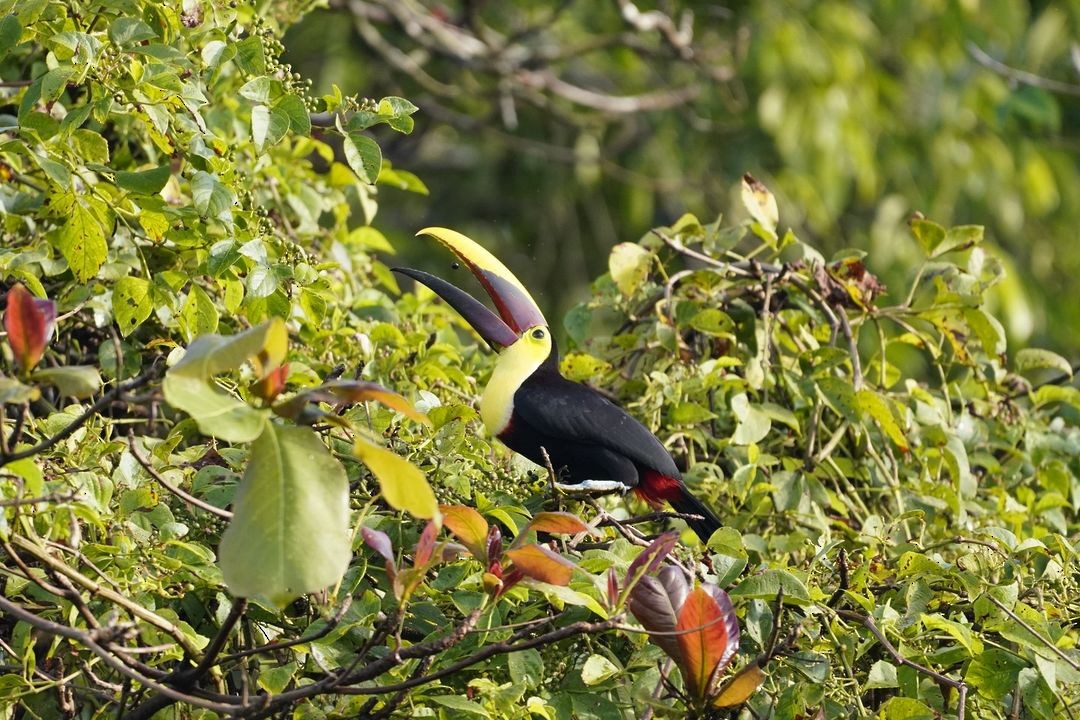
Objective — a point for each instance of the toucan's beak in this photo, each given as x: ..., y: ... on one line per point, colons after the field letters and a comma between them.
x: 517, y: 310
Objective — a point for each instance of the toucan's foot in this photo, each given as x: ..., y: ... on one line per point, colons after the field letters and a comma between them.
x: 592, y: 487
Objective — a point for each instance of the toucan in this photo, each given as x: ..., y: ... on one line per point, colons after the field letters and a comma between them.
x: 590, y: 443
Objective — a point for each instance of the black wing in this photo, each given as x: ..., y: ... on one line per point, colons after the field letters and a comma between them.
x: 569, y: 411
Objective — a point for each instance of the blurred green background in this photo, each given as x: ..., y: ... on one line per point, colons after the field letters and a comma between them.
x: 551, y: 131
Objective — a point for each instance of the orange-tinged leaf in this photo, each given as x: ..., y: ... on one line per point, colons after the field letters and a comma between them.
x: 709, y: 637
x: 562, y: 523
x: 360, y: 391
x: 425, y: 546
x: 29, y: 323
x: 271, y: 384
x: 539, y: 563
x: 740, y: 687
x: 469, y: 527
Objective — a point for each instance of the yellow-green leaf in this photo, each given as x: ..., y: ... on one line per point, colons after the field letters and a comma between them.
x: 401, y: 482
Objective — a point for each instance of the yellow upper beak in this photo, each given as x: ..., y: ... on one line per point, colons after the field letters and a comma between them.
x: 514, y: 303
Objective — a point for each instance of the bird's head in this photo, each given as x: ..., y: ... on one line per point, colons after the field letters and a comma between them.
x: 519, y: 329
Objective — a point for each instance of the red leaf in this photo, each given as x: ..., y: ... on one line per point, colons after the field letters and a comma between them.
x: 651, y: 557
x: 425, y: 545
x: 562, y: 523
x: 29, y: 323
x: 469, y: 527
x: 539, y: 563
x: 708, y: 639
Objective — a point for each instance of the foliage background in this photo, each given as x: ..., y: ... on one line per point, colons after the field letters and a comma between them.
x: 855, y: 113
x: 899, y: 467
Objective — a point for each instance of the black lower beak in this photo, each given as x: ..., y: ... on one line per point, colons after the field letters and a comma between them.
x: 490, y: 326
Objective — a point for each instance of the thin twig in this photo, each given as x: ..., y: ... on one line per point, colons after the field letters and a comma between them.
x: 182, y: 494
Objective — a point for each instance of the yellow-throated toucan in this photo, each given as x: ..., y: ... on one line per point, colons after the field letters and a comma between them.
x: 593, y: 444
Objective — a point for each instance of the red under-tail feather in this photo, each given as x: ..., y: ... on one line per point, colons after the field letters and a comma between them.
x: 656, y: 488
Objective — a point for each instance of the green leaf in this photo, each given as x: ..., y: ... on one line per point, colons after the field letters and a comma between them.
x: 215, y: 412
x: 294, y: 109
x: 767, y: 584
x: 1037, y: 359
x: 961, y: 237
x: 902, y: 708
x: 268, y: 126
x: 260, y: 89
x: 994, y: 673
x: 526, y: 667
x: 210, y: 355
x: 402, y: 483
x: 753, y: 424
x: 878, y: 408
x: 597, y: 669
x: 364, y: 157
x: 460, y: 705
x: 713, y: 322
x: 199, y: 316
x: 78, y: 381
x: 131, y: 303
x: 250, y: 56
x: 10, y: 32
x: 963, y: 634
x: 882, y: 675
x: 127, y: 30
x: 82, y: 241
x: 990, y: 332
x: 289, y: 534
x: 144, y: 182
x: 629, y: 266
x: 928, y: 234
x: 212, y: 199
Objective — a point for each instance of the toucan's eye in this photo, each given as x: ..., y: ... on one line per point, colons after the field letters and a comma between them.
x: 538, y: 333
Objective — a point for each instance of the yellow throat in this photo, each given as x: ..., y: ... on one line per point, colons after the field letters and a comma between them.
x: 515, y: 364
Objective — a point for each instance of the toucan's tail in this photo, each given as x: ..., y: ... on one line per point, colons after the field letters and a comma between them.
x: 686, y: 503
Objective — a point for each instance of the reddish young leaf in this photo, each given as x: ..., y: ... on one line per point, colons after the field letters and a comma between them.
x: 29, y: 323
x: 425, y: 546
x: 612, y: 588
x: 271, y: 385
x: 561, y: 523
x: 708, y: 639
x: 379, y: 541
x: 469, y: 527
x: 539, y: 563
x: 494, y: 546
x: 651, y: 557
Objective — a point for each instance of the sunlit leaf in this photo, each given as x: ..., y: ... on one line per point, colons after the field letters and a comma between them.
x: 402, y: 484
x: 1038, y: 359
x: 760, y: 203
x: 597, y: 669
x: 708, y: 637
x: 561, y: 523
x: 469, y: 527
x: 131, y: 303
x: 629, y: 266
x: 360, y: 391
x: 540, y: 563
x: 739, y: 688
x: 289, y: 534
